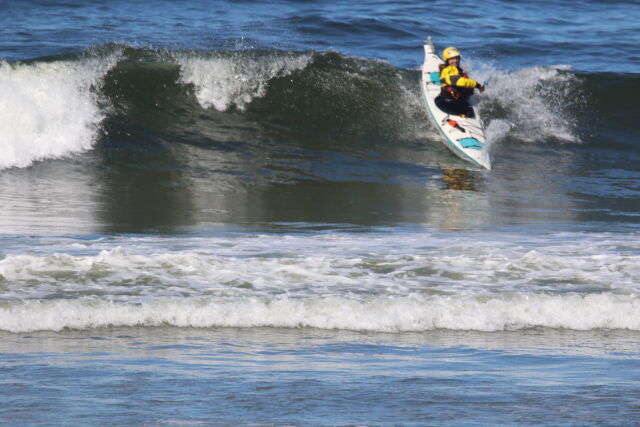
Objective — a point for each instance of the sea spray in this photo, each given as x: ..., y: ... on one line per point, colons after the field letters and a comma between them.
x: 227, y: 79
x: 534, y: 104
x: 50, y: 109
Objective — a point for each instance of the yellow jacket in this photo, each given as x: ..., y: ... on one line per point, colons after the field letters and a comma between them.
x: 456, y: 83
x: 452, y: 76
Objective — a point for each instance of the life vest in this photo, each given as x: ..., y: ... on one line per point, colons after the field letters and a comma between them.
x: 450, y: 88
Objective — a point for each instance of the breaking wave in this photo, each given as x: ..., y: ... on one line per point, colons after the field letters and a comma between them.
x: 376, y: 314
x: 50, y: 109
x: 401, y: 282
x: 58, y: 107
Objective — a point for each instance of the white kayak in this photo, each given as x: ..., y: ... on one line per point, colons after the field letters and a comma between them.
x: 463, y: 135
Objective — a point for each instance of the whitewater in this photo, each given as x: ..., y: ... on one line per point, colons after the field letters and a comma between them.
x: 56, y: 109
x: 50, y: 110
x: 409, y: 281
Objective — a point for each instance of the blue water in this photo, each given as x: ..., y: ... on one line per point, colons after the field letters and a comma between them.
x: 312, y: 377
x: 239, y: 213
x: 586, y: 36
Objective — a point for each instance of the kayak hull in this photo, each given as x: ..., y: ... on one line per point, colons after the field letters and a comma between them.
x: 463, y: 135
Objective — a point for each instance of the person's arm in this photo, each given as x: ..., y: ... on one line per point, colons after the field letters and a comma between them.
x: 450, y: 77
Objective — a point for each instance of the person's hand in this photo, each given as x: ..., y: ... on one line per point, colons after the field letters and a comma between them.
x: 481, y: 87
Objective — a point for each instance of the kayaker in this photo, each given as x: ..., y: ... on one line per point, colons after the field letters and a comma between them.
x: 456, y: 85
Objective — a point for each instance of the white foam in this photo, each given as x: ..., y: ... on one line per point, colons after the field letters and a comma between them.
x: 49, y: 110
x: 235, y: 80
x: 537, y: 101
x: 401, y: 264
x: 383, y: 314
x: 364, y: 281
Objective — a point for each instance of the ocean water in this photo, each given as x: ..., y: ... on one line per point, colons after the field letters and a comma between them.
x: 238, y: 213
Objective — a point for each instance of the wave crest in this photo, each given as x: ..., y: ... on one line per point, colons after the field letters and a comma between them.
x: 50, y: 109
x: 56, y: 108
x: 227, y: 79
x: 376, y: 314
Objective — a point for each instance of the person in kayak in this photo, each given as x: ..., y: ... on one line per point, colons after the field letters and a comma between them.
x: 456, y: 85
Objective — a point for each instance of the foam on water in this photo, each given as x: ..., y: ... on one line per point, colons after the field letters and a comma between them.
x: 53, y: 109
x: 400, y: 282
x: 378, y: 313
x: 49, y: 109
x: 223, y: 81
x: 531, y: 104
x: 528, y: 105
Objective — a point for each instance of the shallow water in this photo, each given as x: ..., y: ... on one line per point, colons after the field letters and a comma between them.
x: 168, y: 376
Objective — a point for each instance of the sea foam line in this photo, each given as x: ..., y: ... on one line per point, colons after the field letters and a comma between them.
x: 377, y: 314
x: 324, y: 265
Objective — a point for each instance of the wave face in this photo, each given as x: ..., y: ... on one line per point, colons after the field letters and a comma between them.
x: 144, y: 139
x: 225, y: 80
x: 61, y: 107
x: 386, y: 282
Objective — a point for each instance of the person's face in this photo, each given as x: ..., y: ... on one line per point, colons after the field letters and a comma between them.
x: 454, y: 61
